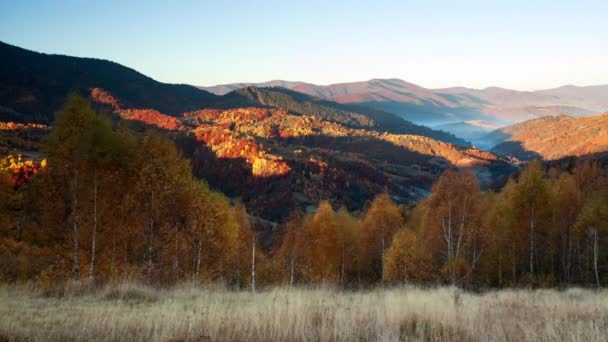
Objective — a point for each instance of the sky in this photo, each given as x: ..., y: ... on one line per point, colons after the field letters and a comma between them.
x: 518, y: 44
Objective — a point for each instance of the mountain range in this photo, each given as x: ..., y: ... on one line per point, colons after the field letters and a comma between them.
x: 281, y: 145
x: 34, y: 85
x: 272, y: 148
x: 450, y: 105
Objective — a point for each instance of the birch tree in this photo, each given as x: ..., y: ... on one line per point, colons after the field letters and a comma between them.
x: 67, y: 147
x: 381, y: 220
x: 593, y: 221
x: 531, y: 205
x: 452, y: 221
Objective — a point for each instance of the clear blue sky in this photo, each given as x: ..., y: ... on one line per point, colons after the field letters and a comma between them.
x: 521, y: 44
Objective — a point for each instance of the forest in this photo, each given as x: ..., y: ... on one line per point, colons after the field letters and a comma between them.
x: 111, y: 204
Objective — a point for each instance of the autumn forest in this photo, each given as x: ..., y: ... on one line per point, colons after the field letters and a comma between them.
x: 110, y: 204
x: 303, y: 171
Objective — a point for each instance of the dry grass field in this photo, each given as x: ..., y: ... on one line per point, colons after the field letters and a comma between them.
x: 130, y: 312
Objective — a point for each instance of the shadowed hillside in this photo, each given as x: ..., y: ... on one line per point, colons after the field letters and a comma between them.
x: 34, y: 85
x: 348, y: 115
x: 274, y: 159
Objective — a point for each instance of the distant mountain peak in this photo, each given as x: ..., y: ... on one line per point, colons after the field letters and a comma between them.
x: 448, y: 105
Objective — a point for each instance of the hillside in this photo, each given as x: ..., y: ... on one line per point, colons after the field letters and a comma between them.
x: 282, y: 160
x: 405, y: 99
x: 448, y: 105
x: 552, y: 137
x: 348, y: 115
x: 274, y: 159
x: 274, y: 149
x: 34, y: 85
x: 224, y: 89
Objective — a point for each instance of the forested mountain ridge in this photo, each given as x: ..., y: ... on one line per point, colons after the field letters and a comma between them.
x: 349, y: 115
x: 274, y: 159
x: 112, y: 204
x: 552, y: 137
x: 449, y: 105
x: 34, y: 85
x: 274, y: 148
x: 309, y: 193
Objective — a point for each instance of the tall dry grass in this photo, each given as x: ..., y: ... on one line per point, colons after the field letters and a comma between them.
x: 137, y: 313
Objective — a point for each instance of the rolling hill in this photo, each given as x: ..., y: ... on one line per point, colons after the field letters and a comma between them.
x: 274, y: 160
x: 349, y: 115
x: 450, y: 105
x: 34, y: 85
x: 552, y: 137
x: 273, y: 148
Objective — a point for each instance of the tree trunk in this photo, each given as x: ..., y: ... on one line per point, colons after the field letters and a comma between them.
x: 500, y: 269
x: 532, y: 242
x: 75, y: 228
x: 113, y: 256
x: 461, y: 231
x: 514, y: 273
x: 150, y: 232
x: 176, y: 256
x: 292, y: 270
x: 342, y: 267
x: 253, y: 263
x: 405, y: 270
x: 569, y: 258
x: 382, y: 261
x: 198, y: 260
x: 595, y: 257
x: 126, y: 252
x: 94, y: 238
x: 447, y: 235
x: 238, y: 267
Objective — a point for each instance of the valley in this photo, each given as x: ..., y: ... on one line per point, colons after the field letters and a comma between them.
x: 283, y: 149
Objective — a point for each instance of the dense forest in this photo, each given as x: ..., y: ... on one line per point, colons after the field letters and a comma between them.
x: 111, y: 204
x: 33, y: 86
x: 352, y: 116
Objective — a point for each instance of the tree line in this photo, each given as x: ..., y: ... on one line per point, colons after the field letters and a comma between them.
x: 112, y: 204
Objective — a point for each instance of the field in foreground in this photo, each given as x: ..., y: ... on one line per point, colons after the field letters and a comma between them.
x: 136, y: 313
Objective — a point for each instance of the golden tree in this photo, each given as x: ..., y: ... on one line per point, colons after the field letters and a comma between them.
x: 381, y: 220
x: 405, y: 260
x: 451, y: 224
x: 323, y: 255
x: 350, y: 247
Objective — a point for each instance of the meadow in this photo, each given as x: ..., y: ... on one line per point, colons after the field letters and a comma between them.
x: 135, y: 312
